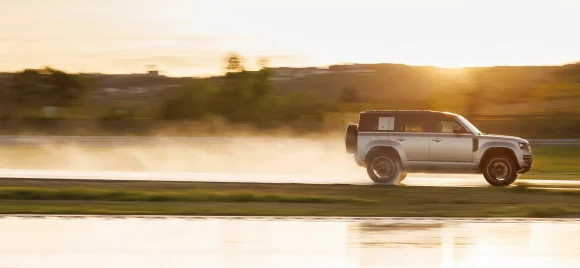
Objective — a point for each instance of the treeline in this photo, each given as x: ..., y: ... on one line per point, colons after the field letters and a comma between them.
x: 241, y: 96
x: 33, y: 89
x: 477, y: 91
x: 308, y: 102
x: 248, y: 97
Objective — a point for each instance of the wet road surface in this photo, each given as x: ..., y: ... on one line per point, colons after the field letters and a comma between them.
x: 411, y: 180
x: 79, y: 242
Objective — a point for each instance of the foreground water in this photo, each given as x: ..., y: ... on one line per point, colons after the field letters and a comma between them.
x: 301, y: 242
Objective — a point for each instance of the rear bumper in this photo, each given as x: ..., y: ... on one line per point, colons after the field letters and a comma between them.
x: 359, y: 162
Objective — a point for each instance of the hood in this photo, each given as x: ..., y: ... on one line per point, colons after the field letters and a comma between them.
x: 504, y: 137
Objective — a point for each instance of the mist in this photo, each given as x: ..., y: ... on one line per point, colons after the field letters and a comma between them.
x: 262, y: 159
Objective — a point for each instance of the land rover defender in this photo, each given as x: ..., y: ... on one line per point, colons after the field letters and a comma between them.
x: 391, y: 144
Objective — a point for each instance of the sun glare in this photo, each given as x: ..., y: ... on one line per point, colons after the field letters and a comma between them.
x: 127, y: 35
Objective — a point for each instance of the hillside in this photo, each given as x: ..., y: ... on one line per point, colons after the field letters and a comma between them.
x: 527, y: 89
x: 399, y: 86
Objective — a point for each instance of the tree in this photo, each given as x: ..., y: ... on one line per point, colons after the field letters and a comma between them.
x: 231, y: 96
x: 27, y: 88
x: 234, y: 63
x: 46, y: 87
x: 475, y: 97
x: 243, y: 94
x: 192, y: 102
x: 261, y: 85
x: 348, y: 95
x: 64, y: 89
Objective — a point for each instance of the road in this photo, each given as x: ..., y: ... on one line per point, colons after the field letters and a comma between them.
x: 7, y: 140
x: 412, y: 180
x: 215, y: 160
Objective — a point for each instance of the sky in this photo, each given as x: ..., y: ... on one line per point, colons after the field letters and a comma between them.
x: 192, y: 37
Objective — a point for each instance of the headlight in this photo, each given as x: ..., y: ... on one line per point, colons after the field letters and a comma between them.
x: 524, y: 146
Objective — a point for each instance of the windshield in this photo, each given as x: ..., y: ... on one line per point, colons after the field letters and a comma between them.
x: 468, y: 125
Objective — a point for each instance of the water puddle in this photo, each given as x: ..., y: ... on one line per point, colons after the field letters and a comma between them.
x: 159, y: 241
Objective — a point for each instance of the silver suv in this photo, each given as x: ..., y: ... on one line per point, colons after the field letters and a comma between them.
x: 391, y: 144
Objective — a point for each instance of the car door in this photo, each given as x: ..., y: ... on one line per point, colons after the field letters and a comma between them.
x: 447, y: 146
x: 410, y: 136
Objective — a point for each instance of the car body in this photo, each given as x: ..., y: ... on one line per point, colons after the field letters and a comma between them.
x: 434, y: 142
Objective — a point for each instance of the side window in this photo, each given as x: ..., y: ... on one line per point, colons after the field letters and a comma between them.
x: 409, y: 124
x: 443, y: 124
x: 376, y: 123
x: 446, y: 126
x: 386, y: 123
x: 367, y: 123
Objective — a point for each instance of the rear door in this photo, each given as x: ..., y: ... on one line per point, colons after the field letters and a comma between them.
x: 410, y: 135
x: 373, y: 127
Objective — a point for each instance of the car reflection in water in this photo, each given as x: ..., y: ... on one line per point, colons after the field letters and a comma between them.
x: 284, y: 242
x: 466, y: 244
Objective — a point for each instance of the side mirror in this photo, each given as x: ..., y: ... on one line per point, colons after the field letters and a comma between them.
x: 457, y: 129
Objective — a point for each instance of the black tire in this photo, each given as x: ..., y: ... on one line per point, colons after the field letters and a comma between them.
x: 351, y: 138
x: 384, y: 169
x: 500, y: 171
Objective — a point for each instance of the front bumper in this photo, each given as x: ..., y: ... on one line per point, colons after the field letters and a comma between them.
x: 526, y: 164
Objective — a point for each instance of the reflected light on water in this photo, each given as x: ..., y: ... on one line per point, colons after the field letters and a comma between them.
x: 173, y: 242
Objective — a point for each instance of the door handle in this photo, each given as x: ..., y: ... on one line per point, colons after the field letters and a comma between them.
x: 436, y: 140
x: 401, y: 139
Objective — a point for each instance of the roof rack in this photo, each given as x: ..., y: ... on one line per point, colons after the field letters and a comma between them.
x: 390, y: 111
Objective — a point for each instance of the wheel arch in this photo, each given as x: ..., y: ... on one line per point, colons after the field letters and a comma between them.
x: 498, y: 150
x: 383, y: 149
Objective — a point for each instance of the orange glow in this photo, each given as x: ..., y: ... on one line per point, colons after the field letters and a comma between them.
x: 190, y: 37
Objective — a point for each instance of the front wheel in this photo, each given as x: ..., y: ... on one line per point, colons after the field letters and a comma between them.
x: 385, y: 169
x: 402, y: 177
x: 500, y: 171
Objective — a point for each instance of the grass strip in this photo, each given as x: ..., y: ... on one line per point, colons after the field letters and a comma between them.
x: 37, y: 196
x: 33, y: 193
x: 282, y: 209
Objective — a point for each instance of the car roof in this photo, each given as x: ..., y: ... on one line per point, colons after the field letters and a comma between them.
x: 403, y: 112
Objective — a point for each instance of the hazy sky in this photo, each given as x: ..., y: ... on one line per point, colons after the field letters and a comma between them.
x: 191, y: 37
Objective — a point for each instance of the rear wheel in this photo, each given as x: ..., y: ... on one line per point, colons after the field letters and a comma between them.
x: 384, y: 169
x: 500, y: 171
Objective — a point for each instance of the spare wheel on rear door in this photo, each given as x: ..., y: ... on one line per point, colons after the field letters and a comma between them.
x: 351, y: 138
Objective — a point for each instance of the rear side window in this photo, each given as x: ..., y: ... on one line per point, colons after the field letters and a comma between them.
x: 376, y: 122
x: 367, y: 122
x: 386, y: 123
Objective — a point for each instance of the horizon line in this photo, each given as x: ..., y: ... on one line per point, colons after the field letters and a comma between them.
x: 161, y: 72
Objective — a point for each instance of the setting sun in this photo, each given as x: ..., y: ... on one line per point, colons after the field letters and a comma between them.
x: 185, y: 37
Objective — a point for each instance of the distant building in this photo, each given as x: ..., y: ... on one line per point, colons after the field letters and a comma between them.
x: 282, y: 73
x: 153, y: 72
x: 287, y: 73
x: 353, y: 68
